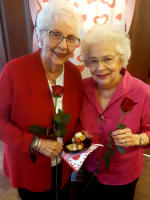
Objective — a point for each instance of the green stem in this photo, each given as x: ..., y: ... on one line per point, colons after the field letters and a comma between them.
x: 55, y: 103
x: 121, y: 119
x: 56, y: 178
x: 87, y: 185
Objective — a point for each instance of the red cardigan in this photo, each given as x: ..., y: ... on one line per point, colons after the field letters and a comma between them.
x: 25, y: 100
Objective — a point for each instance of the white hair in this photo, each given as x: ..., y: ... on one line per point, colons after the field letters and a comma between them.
x: 57, y: 10
x: 99, y: 34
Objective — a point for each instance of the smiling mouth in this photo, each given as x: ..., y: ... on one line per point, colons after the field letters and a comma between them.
x: 102, y: 76
x: 60, y: 55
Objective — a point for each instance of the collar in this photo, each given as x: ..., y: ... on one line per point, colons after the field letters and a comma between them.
x: 125, y: 86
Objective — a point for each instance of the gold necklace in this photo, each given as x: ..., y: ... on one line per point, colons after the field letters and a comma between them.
x: 53, y: 81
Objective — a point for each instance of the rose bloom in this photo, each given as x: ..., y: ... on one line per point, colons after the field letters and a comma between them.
x: 57, y: 90
x: 127, y: 104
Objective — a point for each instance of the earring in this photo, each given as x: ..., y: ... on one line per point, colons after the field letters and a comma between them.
x: 122, y: 71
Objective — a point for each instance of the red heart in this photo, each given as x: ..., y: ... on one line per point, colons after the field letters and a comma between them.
x: 45, y: 1
x: 76, y: 5
x: 84, y: 17
x: 72, y: 55
x: 100, y: 17
x: 80, y: 67
x: 78, y: 45
x: 76, y: 157
x: 90, y: 1
x: 40, y: 7
x: 79, y: 58
x: 119, y: 17
x: 112, y: 5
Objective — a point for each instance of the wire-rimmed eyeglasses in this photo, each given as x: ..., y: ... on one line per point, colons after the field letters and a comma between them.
x: 57, y: 36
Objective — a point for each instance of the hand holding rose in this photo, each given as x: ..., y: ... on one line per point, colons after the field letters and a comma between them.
x: 124, y: 137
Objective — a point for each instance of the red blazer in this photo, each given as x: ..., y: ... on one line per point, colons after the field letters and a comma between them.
x: 25, y: 100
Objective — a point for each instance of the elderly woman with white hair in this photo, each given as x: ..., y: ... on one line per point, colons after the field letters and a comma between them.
x: 27, y: 105
x: 115, y: 113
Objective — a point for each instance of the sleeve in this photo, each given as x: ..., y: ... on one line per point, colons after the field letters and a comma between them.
x: 145, y: 121
x: 10, y: 133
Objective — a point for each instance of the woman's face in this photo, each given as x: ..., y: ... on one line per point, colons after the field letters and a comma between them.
x: 56, y: 53
x: 105, y: 65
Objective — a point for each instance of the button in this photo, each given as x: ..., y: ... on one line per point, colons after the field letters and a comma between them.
x: 100, y: 120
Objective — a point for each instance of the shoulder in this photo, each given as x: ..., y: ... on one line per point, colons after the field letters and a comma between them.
x: 141, y: 86
x: 72, y: 70
x: 19, y: 63
x: 136, y: 85
x: 88, y: 83
x: 23, y: 59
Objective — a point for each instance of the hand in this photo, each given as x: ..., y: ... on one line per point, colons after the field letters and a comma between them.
x: 50, y: 148
x: 125, y: 138
x: 84, y: 132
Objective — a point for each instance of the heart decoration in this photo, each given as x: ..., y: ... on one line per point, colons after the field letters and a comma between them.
x: 76, y: 5
x: 111, y: 5
x: 80, y: 67
x: 79, y: 58
x: 91, y: 1
x: 119, y: 16
x: 76, y: 157
x: 40, y: 7
x: 45, y: 1
x: 72, y: 55
x: 101, y: 19
x: 78, y: 45
x: 84, y: 17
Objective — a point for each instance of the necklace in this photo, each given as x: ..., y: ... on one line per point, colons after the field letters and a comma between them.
x: 53, y: 81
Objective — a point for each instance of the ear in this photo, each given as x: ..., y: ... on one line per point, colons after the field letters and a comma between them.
x: 39, y: 38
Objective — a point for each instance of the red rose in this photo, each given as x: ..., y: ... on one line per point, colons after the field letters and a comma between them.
x: 57, y: 90
x: 127, y: 104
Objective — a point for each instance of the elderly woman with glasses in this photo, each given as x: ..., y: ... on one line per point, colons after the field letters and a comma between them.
x: 28, y: 105
x: 115, y: 113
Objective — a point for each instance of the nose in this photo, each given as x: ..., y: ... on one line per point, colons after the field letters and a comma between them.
x: 100, y: 66
x: 63, y: 43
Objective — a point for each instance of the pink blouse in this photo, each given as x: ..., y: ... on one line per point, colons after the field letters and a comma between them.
x: 124, y: 168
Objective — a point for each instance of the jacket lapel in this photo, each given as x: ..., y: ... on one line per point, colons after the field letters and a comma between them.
x: 41, y: 76
x: 126, y: 86
x: 68, y: 89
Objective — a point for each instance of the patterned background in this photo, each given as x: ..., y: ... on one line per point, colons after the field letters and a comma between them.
x: 119, y: 12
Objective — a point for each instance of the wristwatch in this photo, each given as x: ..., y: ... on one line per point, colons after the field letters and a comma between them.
x: 141, y: 140
x: 36, y: 143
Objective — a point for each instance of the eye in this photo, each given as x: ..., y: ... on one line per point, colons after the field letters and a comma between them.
x: 56, y: 34
x: 71, y: 38
x: 93, y: 62
x: 107, y: 60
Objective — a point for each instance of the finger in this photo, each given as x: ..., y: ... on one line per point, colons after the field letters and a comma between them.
x: 119, y: 138
x: 120, y: 131
x: 45, y: 153
x: 86, y: 133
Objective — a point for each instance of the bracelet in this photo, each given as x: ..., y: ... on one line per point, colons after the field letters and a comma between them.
x: 141, y: 140
x: 32, y: 153
x: 36, y: 142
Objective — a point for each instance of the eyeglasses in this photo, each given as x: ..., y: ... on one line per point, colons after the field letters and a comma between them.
x: 56, y: 36
x: 106, y: 60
